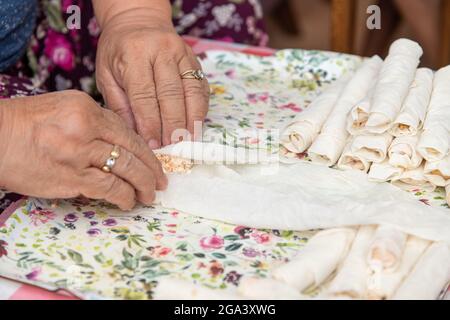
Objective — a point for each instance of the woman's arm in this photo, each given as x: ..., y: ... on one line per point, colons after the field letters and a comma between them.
x: 106, y: 10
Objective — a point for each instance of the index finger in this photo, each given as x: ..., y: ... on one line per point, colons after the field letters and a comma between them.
x: 140, y: 88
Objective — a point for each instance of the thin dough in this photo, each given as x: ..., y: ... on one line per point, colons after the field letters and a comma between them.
x: 301, y: 133
x: 387, y: 248
x: 396, y: 76
x: 438, y: 172
x: 317, y: 260
x: 330, y: 143
x: 352, y: 161
x: 403, y: 154
x: 414, y: 109
x: 371, y: 147
x: 434, y: 143
x: 429, y: 276
x: 383, y: 284
x: 352, y: 277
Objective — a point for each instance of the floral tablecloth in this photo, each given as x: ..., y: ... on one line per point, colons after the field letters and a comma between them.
x: 95, y: 251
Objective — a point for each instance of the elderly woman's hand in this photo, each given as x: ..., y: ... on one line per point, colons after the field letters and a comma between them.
x: 139, y: 61
x: 54, y: 145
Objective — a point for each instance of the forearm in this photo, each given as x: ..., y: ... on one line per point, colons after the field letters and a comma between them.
x: 6, y: 123
x: 106, y: 10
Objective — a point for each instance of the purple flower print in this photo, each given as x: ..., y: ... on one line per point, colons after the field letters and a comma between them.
x: 33, y: 274
x: 94, y: 232
x: 109, y: 222
x: 250, y: 252
x: 232, y: 277
x: 71, y: 217
x: 89, y: 214
x: 93, y: 223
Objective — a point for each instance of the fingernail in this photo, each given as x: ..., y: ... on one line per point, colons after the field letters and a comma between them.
x: 154, y: 144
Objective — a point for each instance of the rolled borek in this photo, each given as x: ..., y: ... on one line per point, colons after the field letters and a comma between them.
x: 317, y: 260
x: 411, y: 179
x: 434, y: 143
x: 414, y: 109
x: 371, y: 147
x: 396, y: 75
x: 359, y: 114
x: 403, y: 153
x: 438, y: 172
x: 382, y: 172
x: 352, y: 277
x: 351, y: 161
x: 385, y: 283
x: 429, y: 276
x: 330, y: 143
x: 301, y: 133
x: 387, y: 248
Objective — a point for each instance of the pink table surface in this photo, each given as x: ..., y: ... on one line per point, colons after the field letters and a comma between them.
x: 12, y: 290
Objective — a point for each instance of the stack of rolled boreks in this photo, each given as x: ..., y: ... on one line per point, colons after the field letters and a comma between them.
x: 369, y: 262
x: 366, y: 263
x: 390, y: 119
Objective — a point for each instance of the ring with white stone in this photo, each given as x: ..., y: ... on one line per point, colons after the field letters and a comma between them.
x: 193, y: 74
x: 111, y: 161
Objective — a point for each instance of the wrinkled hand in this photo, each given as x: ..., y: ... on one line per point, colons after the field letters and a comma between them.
x: 54, y: 144
x: 139, y: 62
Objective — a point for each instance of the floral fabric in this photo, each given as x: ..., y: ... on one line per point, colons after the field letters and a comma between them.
x: 98, y: 252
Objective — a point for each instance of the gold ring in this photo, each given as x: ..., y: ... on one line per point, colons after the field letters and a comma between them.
x: 111, y: 161
x: 193, y: 74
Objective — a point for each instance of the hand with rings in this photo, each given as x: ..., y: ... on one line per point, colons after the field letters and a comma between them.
x: 66, y: 146
x: 149, y: 76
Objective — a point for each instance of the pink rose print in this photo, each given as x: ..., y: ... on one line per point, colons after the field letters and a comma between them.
x: 159, y: 251
x: 59, y: 50
x: 41, y: 216
x: 291, y: 106
x: 66, y: 3
x: 258, y: 97
x: 94, y: 29
x: 260, y: 237
x: 212, y: 242
x: 226, y: 39
x: 163, y: 252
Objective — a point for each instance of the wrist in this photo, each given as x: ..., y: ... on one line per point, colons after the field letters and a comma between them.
x: 6, y: 124
x: 117, y: 12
